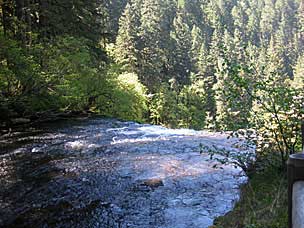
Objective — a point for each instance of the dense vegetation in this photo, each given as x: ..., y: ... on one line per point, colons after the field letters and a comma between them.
x: 201, y: 64
x: 220, y: 64
x: 53, y: 58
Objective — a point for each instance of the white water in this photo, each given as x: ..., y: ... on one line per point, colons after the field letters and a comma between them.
x: 143, y: 176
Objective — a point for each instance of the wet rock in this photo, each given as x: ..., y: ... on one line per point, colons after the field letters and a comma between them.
x: 153, y: 183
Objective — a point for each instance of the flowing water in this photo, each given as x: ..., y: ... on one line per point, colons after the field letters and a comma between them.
x: 107, y: 173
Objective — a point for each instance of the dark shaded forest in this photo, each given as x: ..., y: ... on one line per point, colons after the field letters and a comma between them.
x: 224, y: 65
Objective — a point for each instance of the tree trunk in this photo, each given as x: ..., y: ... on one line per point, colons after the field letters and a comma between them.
x: 20, y: 14
x: 23, y: 14
x: 42, y: 26
x: 7, y: 14
x: 302, y: 129
x: 28, y: 22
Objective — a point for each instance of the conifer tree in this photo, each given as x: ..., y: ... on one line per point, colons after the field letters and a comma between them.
x: 268, y: 21
x: 153, y: 58
x: 128, y: 40
x: 181, y: 36
x: 197, y: 44
x: 208, y: 68
x: 253, y: 23
x: 300, y: 27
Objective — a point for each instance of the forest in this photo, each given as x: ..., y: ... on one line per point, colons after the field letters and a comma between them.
x: 230, y: 65
x: 212, y: 64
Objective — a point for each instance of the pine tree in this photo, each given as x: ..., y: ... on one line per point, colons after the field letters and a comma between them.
x: 114, y: 10
x: 276, y: 67
x: 208, y: 65
x: 152, y: 55
x: 268, y: 22
x: 300, y: 27
x: 240, y: 19
x: 286, y: 20
x: 253, y: 24
x: 194, y: 14
x: 197, y: 44
x: 128, y: 40
x: 239, y: 44
x: 213, y: 15
x: 182, y: 39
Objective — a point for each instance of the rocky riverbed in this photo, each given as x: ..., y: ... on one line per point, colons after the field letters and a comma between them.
x: 107, y: 173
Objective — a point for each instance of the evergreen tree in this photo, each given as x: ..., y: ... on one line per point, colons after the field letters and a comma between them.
x: 253, y: 24
x: 239, y: 44
x: 115, y: 9
x: 197, y: 44
x: 194, y: 14
x: 300, y: 27
x: 128, y: 40
x: 277, y: 66
x: 240, y: 19
x: 206, y: 43
x: 268, y: 21
x: 153, y: 58
x: 208, y: 68
x: 181, y: 37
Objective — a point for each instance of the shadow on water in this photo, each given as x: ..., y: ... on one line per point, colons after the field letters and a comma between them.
x: 27, y: 175
x: 68, y: 177
x: 31, y: 134
x: 41, y: 183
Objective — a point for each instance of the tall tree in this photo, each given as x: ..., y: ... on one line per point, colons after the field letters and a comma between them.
x: 128, y: 40
x: 181, y: 36
x: 197, y: 42
x: 300, y: 27
x: 268, y: 22
x: 153, y: 59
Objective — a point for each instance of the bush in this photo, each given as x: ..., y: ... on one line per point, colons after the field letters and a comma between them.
x: 66, y: 74
x: 184, y: 108
x: 124, y: 97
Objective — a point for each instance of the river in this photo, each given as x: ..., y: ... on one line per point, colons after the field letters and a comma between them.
x: 108, y: 173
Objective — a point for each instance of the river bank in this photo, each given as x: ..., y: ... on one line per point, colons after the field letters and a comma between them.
x: 263, y: 203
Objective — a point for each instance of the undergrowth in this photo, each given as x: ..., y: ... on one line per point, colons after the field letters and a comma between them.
x: 263, y: 203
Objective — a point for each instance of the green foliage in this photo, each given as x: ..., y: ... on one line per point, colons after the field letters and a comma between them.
x: 182, y: 43
x: 258, y: 94
x: 20, y: 78
x: 123, y: 97
x: 233, y: 102
x: 229, y: 45
x: 214, y: 64
x: 59, y: 76
x: 263, y: 203
x: 244, y: 160
x: 161, y: 105
x: 224, y: 65
x: 179, y: 109
x: 127, y: 41
x: 66, y: 75
x: 276, y: 112
x: 277, y: 115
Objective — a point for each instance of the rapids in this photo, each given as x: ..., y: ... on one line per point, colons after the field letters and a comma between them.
x: 108, y: 173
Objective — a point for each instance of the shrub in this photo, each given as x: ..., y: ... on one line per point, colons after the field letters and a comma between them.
x: 184, y: 108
